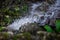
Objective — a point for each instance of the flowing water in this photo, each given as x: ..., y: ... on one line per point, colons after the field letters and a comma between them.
x: 35, y: 16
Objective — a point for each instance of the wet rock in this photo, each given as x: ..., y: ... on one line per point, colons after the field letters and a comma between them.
x: 48, y: 36
x: 23, y: 36
x: 3, y: 29
x: 43, y: 7
x: 29, y: 27
x: 58, y: 14
x: 10, y: 33
x: 58, y: 37
x: 41, y: 32
x: 35, y: 0
x: 4, y: 36
x: 51, y: 36
x: 51, y: 1
x: 41, y: 35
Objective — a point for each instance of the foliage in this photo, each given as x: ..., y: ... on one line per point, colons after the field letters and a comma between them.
x: 48, y: 28
x: 58, y: 25
x: 11, y: 10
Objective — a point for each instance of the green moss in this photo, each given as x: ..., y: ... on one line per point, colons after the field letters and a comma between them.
x: 25, y: 36
x: 1, y: 28
x: 4, y: 35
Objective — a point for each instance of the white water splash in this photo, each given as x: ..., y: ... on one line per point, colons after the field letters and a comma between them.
x: 31, y: 18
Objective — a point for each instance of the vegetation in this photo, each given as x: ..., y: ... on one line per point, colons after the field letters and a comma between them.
x: 14, y: 9
x: 58, y: 25
x: 10, y: 10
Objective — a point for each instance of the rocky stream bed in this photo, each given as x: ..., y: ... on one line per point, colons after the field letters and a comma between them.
x: 11, y: 10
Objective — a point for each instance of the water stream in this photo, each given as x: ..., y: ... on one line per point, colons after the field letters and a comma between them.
x: 35, y: 16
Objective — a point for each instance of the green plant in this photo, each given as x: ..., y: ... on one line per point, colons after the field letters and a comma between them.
x: 48, y: 28
x: 58, y: 25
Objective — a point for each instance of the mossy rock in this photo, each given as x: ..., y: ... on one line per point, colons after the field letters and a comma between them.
x: 21, y: 36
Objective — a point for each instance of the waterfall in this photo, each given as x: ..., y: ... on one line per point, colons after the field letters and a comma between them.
x: 34, y: 16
